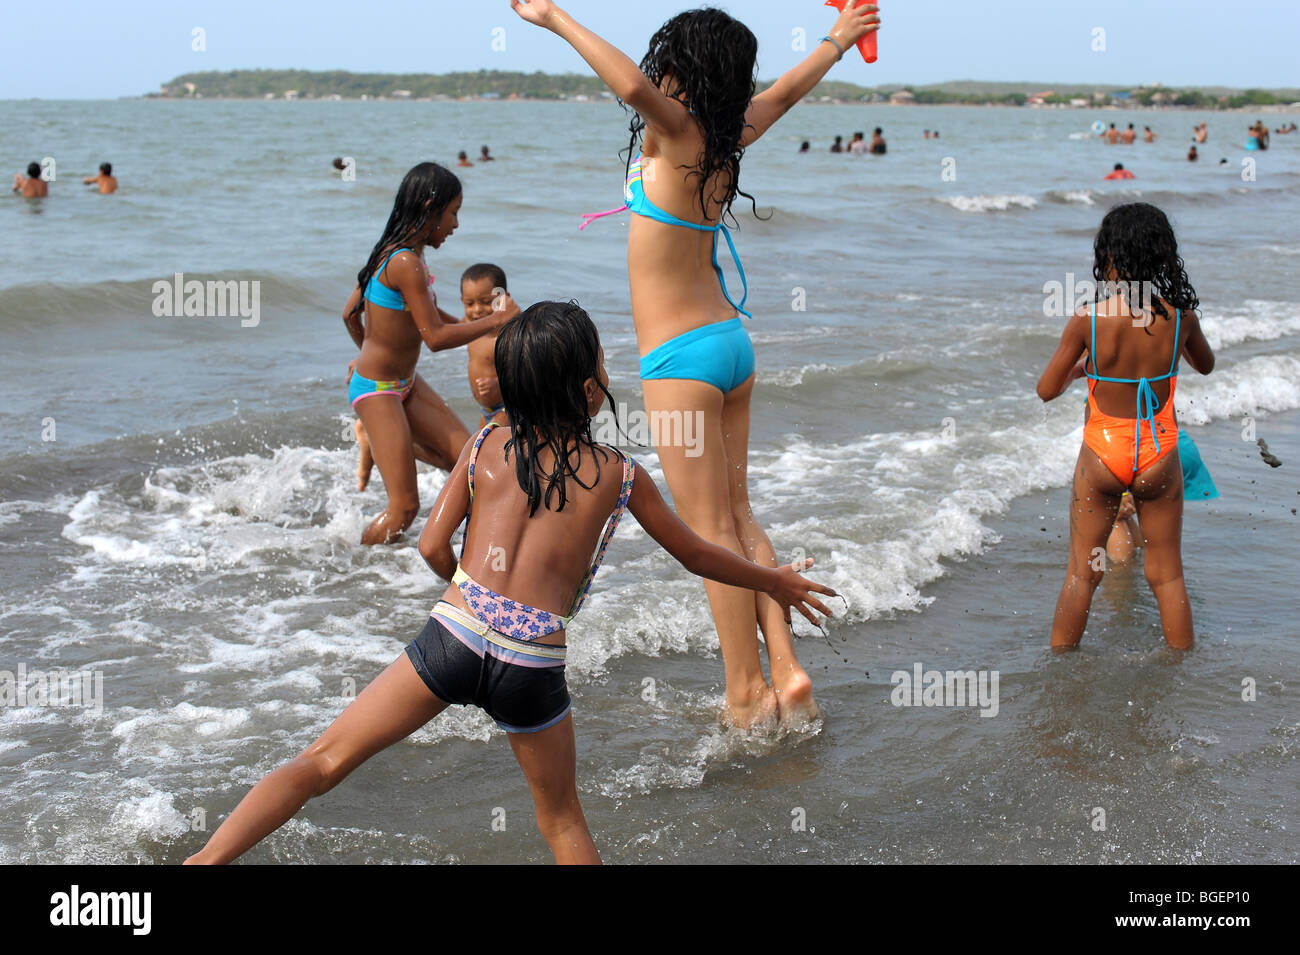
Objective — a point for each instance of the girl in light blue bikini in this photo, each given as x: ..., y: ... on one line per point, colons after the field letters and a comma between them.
x: 401, y: 414
x: 693, y: 125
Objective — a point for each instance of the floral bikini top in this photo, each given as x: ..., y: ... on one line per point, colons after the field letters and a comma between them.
x: 519, y: 620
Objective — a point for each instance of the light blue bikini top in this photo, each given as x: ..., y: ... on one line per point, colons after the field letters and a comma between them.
x: 639, y: 204
x: 381, y: 294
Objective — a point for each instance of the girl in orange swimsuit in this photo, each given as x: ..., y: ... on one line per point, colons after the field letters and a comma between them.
x: 1130, y: 435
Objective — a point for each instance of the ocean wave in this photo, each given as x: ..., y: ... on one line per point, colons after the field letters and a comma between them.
x: 34, y: 307
x: 1085, y: 197
x: 989, y: 203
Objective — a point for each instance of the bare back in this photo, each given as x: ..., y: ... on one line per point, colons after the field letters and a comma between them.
x: 539, y: 560
x: 1130, y: 346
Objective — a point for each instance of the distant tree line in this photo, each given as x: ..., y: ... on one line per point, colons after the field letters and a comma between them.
x: 311, y: 84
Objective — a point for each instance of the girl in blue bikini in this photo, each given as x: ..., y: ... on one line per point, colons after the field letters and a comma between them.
x: 396, y: 406
x: 543, y: 500
x: 695, y: 113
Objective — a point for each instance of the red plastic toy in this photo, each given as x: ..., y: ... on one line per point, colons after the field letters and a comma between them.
x: 867, y: 45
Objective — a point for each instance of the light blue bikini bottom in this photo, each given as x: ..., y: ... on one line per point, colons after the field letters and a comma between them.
x: 720, y: 354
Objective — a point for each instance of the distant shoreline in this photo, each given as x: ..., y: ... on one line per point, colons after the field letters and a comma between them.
x: 1282, y: 109
x: 506, y: 86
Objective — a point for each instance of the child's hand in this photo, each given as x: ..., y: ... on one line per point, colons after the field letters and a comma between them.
x: 538, y: 12
x: 854, y: 23
x: 794, y: 590
x: 483, y: 389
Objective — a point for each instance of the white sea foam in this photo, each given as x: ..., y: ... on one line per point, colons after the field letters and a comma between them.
x: 1252, y: 320
x: 989, y: 203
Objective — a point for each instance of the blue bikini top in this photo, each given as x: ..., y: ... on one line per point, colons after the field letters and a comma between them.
x: 381, y: 294
x: 638, y: 203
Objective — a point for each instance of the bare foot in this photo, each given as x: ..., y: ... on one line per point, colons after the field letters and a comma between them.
x: 759, y: 710
x: 794, y: 695
x: 366, y: 463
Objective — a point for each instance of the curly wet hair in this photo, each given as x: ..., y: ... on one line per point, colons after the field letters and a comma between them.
x: 712, y: 59
x: 1137, y: 242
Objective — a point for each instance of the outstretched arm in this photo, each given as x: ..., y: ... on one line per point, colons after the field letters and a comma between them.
x: 703, y: 559
x: 406, y: 272
x: 623, y: 77
x: 778, y: 99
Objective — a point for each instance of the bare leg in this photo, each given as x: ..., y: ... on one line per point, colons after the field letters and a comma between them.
x: 391, y: 708
x: 792, y: 685
x: 365, y: 460
x: 1158, y: 495
x: 435, y: 426
x: 700, y: 482
x: 1094, y: 502
x: 384, y: 418
x: 549, y: 761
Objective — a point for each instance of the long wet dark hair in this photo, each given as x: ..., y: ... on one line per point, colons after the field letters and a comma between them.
x: 424, y: 195
x: 1137, y: 241
x: 712, y: 58
x: 543, y: 358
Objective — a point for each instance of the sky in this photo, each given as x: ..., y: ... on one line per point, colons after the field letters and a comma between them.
x: 99, y: 50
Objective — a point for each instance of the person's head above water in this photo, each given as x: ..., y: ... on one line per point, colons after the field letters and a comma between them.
x: 1136, y: 245
x: 1119, y: 166
x: 33, y: 170
x: 877, y: 131
x: 424, y: 213
x: 551, y: 370
x: 106, y: 168
x: 339, y: 163
x: 706, y: 60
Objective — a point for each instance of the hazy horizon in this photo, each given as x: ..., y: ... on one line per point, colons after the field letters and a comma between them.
x: 128, y: 51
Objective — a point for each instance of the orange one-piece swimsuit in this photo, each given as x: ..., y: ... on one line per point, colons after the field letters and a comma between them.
x: 1119, y: 442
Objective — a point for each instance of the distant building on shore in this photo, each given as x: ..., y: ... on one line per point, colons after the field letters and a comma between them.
x: 902, y: 98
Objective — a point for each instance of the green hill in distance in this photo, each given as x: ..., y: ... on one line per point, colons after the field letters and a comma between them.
x: 496, y: 84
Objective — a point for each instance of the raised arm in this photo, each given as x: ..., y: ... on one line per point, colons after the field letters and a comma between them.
x: 623, y: 77
x: 783, y: 95
x: 703, y: 559
x: 1065, y: 365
